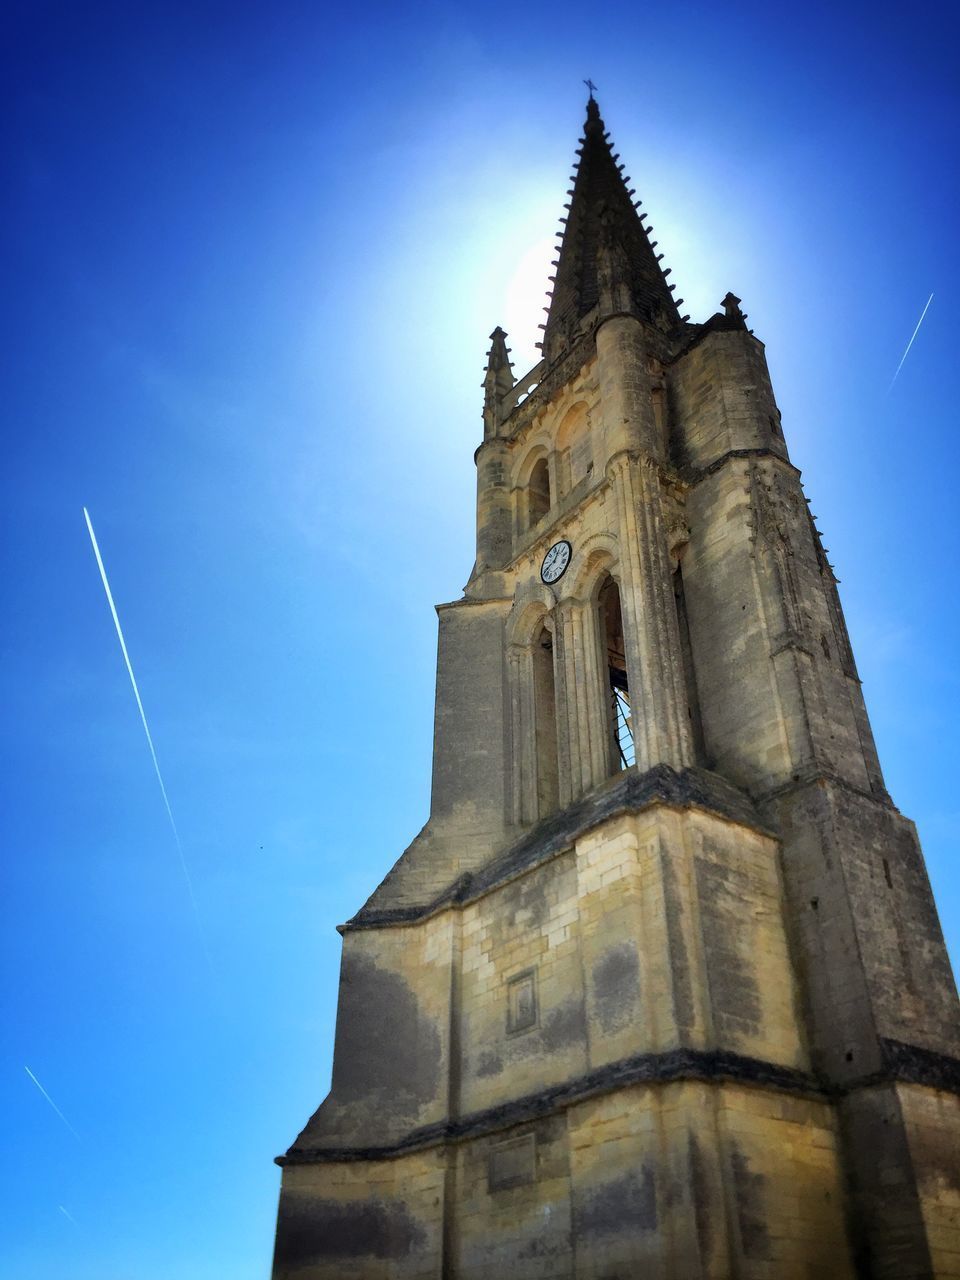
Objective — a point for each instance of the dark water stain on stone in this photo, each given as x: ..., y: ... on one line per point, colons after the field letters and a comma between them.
x: 623, y: 1205
x: 679, y: 964
x: 311, y: 1230
x: 564, y: 1025
x: 748, y: 1192
x: 700, y: 1191
x: 616, y: 986
x: 554, y: 1249
x: 489, y: 1063
x: 385, y: 1045
x: 733, y: 989
x: 938, y: 1161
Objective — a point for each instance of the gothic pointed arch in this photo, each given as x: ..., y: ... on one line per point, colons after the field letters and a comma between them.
x: 620, y: 722
x: 574, y: 453
x: 534, y: 488
x: 596, y: 556
x: 531, y: 637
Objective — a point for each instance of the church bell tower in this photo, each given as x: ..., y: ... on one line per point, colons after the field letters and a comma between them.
x: 659, y: 990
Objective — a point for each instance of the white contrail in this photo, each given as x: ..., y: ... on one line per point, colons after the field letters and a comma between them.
x: 68, y: 1216
x: 53, y: 1104
x: 910, y: 344
x: 143, y: 717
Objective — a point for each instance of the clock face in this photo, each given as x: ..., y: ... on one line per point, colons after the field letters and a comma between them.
x: 555, y: 562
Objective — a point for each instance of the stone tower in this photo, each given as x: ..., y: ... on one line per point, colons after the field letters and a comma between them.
x: 660, y: 989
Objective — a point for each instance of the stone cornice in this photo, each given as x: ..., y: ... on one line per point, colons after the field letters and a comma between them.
x: 692, y: 476
x: 707, y: 1066
x: 815, y: 777
x: 903, y: 1064
x: 629, y: 792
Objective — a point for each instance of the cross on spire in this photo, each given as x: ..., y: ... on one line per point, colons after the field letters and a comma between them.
x: 591, y: 86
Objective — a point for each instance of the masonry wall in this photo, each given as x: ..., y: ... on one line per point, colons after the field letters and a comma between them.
x: 571, y: 1140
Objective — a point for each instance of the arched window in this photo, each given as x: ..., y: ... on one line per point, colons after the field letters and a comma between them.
x: 620, y: 724
x: 574, y: 448
x: 538, y: 493
x: 545, y: 724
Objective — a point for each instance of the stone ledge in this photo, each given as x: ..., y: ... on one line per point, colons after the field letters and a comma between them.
x: 903, y: 1064
x: 694, y: 475
x: 628, y: 792
x: 646, y: 1068
x: 911, y: 1064
x: 813, y: 776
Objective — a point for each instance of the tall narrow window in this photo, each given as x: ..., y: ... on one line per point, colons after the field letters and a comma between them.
x: 538, y: 493
x: 620, y: 724
x: 574, y: 450
x: 545, y: 724
x: 689, y: 674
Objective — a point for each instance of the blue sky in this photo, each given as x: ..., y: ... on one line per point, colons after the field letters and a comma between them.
x: 253, y: 254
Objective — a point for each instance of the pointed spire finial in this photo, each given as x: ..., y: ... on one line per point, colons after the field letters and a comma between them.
x: 498, y: 357
x: 497, y: 381
x: 731, y: 307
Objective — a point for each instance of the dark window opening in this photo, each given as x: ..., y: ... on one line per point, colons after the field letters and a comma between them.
x: 824, y: 645
x: 538, y: 493
x: 545, y: 723
x: 620, y: 725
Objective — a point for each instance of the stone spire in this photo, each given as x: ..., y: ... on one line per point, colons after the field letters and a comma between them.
x: 606, y: 259
x: 497, y: 380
